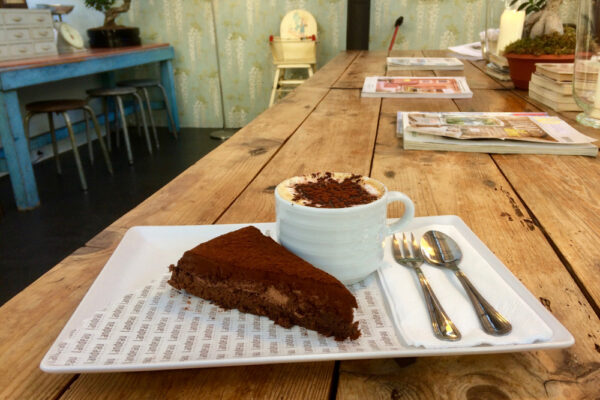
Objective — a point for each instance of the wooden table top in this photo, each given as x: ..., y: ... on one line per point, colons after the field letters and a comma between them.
x: 75, y: 57
x: 539, y: 214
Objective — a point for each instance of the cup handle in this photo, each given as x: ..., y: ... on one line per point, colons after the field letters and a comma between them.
x: 409, y: 211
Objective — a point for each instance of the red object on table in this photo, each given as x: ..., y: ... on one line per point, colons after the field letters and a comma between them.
x: 397, y: 25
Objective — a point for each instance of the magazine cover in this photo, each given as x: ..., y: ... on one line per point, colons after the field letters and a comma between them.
x: 501, y: 133
x: 424, y: 63
x: 417, y: 87
x: 531, y: 127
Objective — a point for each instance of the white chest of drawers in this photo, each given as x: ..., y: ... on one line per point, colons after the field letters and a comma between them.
x: 26, y: 34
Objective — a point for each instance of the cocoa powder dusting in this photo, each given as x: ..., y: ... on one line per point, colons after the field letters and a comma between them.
x: 327, y: 192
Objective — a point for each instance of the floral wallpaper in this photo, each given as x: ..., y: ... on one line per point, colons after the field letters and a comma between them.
x: 435, y: 24
x: 242, y: 41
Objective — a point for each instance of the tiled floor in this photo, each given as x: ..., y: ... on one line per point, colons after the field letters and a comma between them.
x: 33, y: 242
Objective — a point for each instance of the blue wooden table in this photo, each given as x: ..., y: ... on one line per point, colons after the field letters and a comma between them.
x: 21, y: 73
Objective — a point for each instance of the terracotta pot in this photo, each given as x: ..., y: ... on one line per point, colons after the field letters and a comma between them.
x: 521, y: 66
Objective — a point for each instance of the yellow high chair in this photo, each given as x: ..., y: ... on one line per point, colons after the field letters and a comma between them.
x: 295, y: 48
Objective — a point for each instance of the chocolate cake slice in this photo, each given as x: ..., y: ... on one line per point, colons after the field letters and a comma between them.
x: 251, y: 272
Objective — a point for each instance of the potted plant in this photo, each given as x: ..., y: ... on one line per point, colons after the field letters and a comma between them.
x: 545, y: 40
x: 110, y: 34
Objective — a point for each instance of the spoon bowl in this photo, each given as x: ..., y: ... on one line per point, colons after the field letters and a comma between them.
x: 441, y: 250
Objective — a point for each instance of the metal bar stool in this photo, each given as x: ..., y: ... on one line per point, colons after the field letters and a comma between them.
x: 118, y: 93
x: 143, y: 85
x: 61, y: 107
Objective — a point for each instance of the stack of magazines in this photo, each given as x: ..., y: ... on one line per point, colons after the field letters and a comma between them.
x: 453, y: 87
x: 552, y: 85
x: 498, y: 68
x: 423, y: 63
x: 498, y: 132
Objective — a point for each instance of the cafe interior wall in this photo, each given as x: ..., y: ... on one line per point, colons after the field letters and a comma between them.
x: 243, y: 28
x: 436, y: 24
x: 242, y: 41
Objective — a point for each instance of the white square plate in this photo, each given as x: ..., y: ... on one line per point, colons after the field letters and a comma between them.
x: 146, y: 251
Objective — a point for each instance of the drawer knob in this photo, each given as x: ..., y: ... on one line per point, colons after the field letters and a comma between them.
x: 45, y: 48
x: 40, y: 19
x: 18, y: 35
x: 22, y: 50
x: 44, y: 33
x: 17, y: 19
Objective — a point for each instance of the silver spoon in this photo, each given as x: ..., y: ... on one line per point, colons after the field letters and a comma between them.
x: 441, y: 250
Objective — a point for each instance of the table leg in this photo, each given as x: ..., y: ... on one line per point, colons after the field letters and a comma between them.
x: 16, y: 152
x: 109, y: 80
x: 168, y: 80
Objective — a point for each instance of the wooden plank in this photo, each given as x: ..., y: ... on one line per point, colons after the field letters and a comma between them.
x: 283, y: 381
x: 484, y: 100
x: 566, y: 205
x: 340, y: 111
x: 470, y: 185
x: 222, y: 175
x: 476, y: 78
x: 373, y: 64
x: 368, y: 63
x: 480, y: 65
x: 109, y: 238
x: 202, y: 192
x: 331, y: 71
x: 563, y: 200
x: 485, y: 200
x: 351, y: 122
x: 32, y: 320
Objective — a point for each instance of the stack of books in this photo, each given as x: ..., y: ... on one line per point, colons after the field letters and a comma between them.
x: 498, y: 68
x: 552, y: 85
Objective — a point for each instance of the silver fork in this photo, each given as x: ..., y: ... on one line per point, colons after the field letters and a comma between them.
x: 410, y: 256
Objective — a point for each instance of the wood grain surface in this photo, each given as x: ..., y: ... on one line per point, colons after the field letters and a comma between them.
x: 33, y: 319
x: 348, y: 149
x: 561, y: 192
x: 75, y: 57
x: 368, y: 63
x: 198, y: 196
x: 471, y: 186
x: 477, y: 78
x: 538, y: 214
x: 569, y: 181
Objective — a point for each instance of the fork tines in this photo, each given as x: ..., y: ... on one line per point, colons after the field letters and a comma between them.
x: 407, y: 251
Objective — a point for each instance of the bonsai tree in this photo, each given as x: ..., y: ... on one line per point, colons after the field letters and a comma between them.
x: 544, y: 30
x: 544, y: 37
x: 111, y: 34
x: 543, y: 17
x: 110, y: 12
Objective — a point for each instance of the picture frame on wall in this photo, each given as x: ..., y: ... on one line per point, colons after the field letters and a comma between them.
x: 13, y: 4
